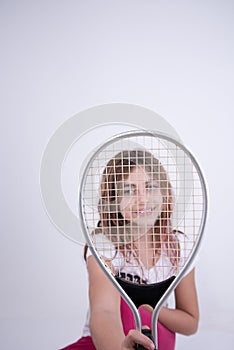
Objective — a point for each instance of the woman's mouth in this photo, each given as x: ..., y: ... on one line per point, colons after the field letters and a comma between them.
x: 144, y: 212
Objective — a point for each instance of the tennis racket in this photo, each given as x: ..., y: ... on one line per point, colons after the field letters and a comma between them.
x: 143, y: 207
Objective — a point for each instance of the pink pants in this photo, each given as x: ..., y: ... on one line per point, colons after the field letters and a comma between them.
x: 166, y: 338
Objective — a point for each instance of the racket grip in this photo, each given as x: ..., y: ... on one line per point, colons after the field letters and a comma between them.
x: 148, y: 333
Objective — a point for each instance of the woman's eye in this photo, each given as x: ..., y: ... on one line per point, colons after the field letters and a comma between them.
x: 152, y: 186
x: 128, y: 192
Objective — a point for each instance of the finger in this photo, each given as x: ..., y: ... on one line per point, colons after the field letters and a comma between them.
x: 135, y: 337
x: 147, y: 308
x: 145, y: 327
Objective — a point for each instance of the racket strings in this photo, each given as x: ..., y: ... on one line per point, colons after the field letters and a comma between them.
x: 148, y: 204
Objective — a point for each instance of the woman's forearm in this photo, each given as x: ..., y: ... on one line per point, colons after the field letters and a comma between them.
x: 106, y: 330
x: 178, y: 321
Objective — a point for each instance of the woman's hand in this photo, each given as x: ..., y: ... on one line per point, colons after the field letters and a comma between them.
x: 135, y: 337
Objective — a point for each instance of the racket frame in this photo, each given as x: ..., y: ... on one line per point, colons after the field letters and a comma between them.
x: 106, y: 269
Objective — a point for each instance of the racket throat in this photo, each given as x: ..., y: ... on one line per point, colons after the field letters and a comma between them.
x: 147, y: 293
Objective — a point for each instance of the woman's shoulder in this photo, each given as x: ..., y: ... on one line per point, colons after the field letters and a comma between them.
x: 102, y: 244
x: 186, y: 251
x: 186, y: 242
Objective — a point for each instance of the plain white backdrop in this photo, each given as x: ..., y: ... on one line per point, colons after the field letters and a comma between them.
x: 61, y: 57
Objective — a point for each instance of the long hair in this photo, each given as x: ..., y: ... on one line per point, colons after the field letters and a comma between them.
x: 113, y: 223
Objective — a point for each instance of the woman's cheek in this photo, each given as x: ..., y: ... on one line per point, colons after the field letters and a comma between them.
x: 125, y: 209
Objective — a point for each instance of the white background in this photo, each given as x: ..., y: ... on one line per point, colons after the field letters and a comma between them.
x: 61, y: 57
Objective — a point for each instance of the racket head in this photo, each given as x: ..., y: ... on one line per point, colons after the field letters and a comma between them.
x: 140, y: 182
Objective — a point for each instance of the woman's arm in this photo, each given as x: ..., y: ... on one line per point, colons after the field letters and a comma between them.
x: 184, y: 319
x: 105, y: 319
x: 105, y: 325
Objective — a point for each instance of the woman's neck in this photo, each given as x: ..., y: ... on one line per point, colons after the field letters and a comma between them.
x: 147, y: 251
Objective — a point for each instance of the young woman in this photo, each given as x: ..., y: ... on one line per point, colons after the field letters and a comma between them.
x: 135, y: 208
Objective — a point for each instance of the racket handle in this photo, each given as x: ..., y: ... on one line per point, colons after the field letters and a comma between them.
x: 148, y: 333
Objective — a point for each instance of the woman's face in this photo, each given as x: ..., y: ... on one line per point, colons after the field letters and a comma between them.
x: 140, y: 198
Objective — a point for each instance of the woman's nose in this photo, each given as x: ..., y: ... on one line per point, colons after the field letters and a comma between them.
x: 141, y: 195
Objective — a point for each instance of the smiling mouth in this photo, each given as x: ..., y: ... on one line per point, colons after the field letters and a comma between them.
x: 144, y: 212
